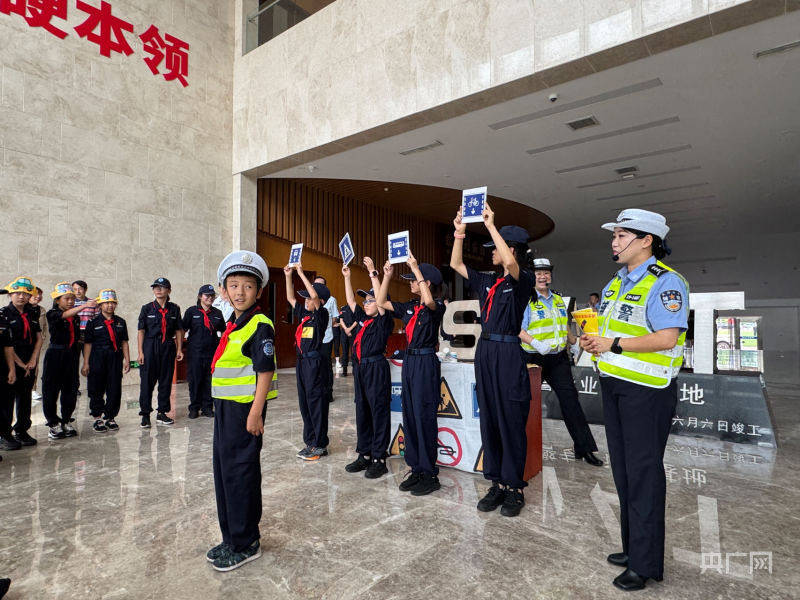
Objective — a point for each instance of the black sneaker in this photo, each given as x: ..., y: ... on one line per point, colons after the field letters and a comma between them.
x: 145, y: 424
x: 359, y: 464
x: 208, y: 413
x: 5, y: 583
x: 411, y: 480
x: 315, y: 454
x: 99, y: 426
x: 217, y: 551
x: 163, y: 419
x: 492, y: 499
x: 25, y: 439
x: 376, y: 469
x: 56, y: 433
x: 69, y: 430
x: 230, y: 560
x: 427, y: 484
x: 304, y: 452
x: 8, y: 443
x: 193, y: 414
x: 111, y: 425
x: 513, y: 503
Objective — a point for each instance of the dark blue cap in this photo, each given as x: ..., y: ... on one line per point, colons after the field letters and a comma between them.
x: 322, y: 291
x: 513, y: 234
x: 371, y: 292
x: 207, y: 289
x: 429, y: 272
x: 162, y: 282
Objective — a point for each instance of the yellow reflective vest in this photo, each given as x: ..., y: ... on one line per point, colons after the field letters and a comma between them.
x: 548, y: 325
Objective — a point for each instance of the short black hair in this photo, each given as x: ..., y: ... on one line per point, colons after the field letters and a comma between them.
x: 658, y: 244
x: 81, y: 283
x: 255, y: 277
x: 324, y: 281
x: 39, y: 290
x: 595, y: 294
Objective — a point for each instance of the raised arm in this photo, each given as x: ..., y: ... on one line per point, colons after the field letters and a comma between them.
x: 382, y: 293
x: 287, y: 270
x: 316, y: 301
x: 506, y: 256
x: 348, y: 288
x: 424, y: 289
x: 456, y: 257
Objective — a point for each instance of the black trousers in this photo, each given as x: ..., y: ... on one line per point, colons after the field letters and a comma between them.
x: 59, y: 373
x: 638, y: 420
x: 557, y: 372
x: 237, y: 474
x: 199, y: 374
x: 6, y: 404
x: 20, y: 397
x: 504, y: 401
x: 158, y: 367
x: 313, y: 399
x: 421, y: 392
x: 104, y: 382
x: 373, y: 390
x: 345, y: 345
x: 325, y: 350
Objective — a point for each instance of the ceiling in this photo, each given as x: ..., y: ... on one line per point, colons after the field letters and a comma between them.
x: 714, y: 133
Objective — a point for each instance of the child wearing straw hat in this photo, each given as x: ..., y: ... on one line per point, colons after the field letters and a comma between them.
x: 106, y: 357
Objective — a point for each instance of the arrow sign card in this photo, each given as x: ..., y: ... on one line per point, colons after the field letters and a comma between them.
x: 346, y: 249
x: 398, y: 247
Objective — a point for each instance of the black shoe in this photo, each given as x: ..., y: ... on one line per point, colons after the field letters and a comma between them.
x: 230, y: 560
x: 358, y: 464
x: 193, y: 414
x: 344, y: 371
x: 376, y: 469
x: 56, y: 432
x: 4, y: 585
x: 111, y: 425
x: 25, y: 439
x: 163, y: 419
x: 69, y: 430
x: 208, y: 413
x: 427, y: 484
x: 590, y: 458
x: 618, y: 558
x: 217, y: 551
x: 145, y: 424
x: 411, y: 480
x: 8, y: 443
x: 629, y: 581
x: 99, y: 426
x: 513, y: 502
x: 492, y: 499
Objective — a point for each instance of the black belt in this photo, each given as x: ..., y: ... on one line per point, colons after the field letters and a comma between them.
x: 311, y: 354
x: 415, y: 351
x: 59, y: 347
x: 371, y: 359
x: 499, y: 337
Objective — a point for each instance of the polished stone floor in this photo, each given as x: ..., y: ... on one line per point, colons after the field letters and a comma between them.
x: 131, y: 514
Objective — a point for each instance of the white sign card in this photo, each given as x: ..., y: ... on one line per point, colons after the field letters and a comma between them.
x: 346, y: 249
x: 398, y: 247
x: 472, y: 204
x: 295, y: 254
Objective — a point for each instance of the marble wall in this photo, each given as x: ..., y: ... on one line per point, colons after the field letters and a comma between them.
x: 360, y: 64
x: 109, y: 173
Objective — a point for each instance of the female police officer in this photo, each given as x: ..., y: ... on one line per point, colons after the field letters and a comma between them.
x: 643, y: 321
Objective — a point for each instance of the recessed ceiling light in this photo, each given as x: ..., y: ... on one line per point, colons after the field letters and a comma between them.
x: 777, y: 49
x: 628, y: 176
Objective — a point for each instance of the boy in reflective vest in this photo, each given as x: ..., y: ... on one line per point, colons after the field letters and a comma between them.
x: 243, y: 373
x: 643, y: 321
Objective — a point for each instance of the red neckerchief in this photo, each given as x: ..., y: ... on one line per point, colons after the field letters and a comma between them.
x: 298, y: 334
x: 110, y: 326
x: 357, y: 341
x: 206, y: 321
x: 487, y: 306
x: 26, y: 326
x: 223, y: 341
x: 71, y: 322
x: 412, y: 322
x: 163, y: 312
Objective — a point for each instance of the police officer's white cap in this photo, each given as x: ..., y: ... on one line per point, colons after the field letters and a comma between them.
x: 542, y: 264
x: 243, y: 261
x: 640, y: 220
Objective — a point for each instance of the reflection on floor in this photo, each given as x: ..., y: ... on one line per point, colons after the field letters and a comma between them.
x: 131, y: 514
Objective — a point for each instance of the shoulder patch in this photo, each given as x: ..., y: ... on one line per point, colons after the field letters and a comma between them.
x: 656, y: 270
x: 609, y: 293
x: 269, y: 348
x: 672, y: 300
x: 633, y: 297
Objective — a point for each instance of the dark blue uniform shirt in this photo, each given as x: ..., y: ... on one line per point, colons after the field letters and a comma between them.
x: 508, y: 303
x: 377, y: 334
x: 260, y: 348
x: 23, y: 344
x: 59, y: 327
x: 96, y: 332
x: 202, y: 340
x: 426, y: 328
x: 150, y: 320
x: 313, y: 329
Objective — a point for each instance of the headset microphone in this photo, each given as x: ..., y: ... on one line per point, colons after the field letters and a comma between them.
x: 615, y: 257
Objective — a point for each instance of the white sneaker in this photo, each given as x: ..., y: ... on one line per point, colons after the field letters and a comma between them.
x: 69, y: 430
x: 36, y: 395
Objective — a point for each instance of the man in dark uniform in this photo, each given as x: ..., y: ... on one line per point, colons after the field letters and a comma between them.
x: 204, y: 323
x: 348, y: 330
x: 160, y: 344
x: 26, y: 335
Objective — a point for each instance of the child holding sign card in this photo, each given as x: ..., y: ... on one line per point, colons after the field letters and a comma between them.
x: 472, y: 204
x: 398, y: 247
x: 296, y: 254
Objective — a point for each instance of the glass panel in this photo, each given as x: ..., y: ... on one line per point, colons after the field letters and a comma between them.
x: 273, y: 17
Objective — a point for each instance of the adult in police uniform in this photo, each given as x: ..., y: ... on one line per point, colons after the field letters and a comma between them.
x: 501, y: 375
x: 160, y: 344
x: 643, y: 321
x: 204, y: 323
x: 545, y: 338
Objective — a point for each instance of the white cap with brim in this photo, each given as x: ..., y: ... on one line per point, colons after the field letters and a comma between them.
x: 243, y: 261
x: 542, y: 264
x: 640, y: 220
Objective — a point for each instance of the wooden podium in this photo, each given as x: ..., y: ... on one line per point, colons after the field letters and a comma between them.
x: 533, y: 463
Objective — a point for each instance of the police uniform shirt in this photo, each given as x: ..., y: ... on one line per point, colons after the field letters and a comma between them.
x: 314, y: 328
x: 23, y: 344
x: 377, y: 334
x: 150, y: 319
x: 333, y: 313
x: 508, y: 302
x: 260, y: 348
x: 527, y: 317
x: 59, y: 328
x: 203, y: 340
x: 667, y: 303
x: 426, y: 327
x: 96, y: 332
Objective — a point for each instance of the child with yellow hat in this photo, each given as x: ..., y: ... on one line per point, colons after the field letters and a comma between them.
x: 26, y: 336
x: 105, y: 358
x: 60, y: 370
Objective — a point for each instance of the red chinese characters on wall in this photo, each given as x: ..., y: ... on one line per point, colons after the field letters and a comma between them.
x: 108, y: 31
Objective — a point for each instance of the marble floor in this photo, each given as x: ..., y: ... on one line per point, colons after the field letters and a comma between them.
x: 131, y: 514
